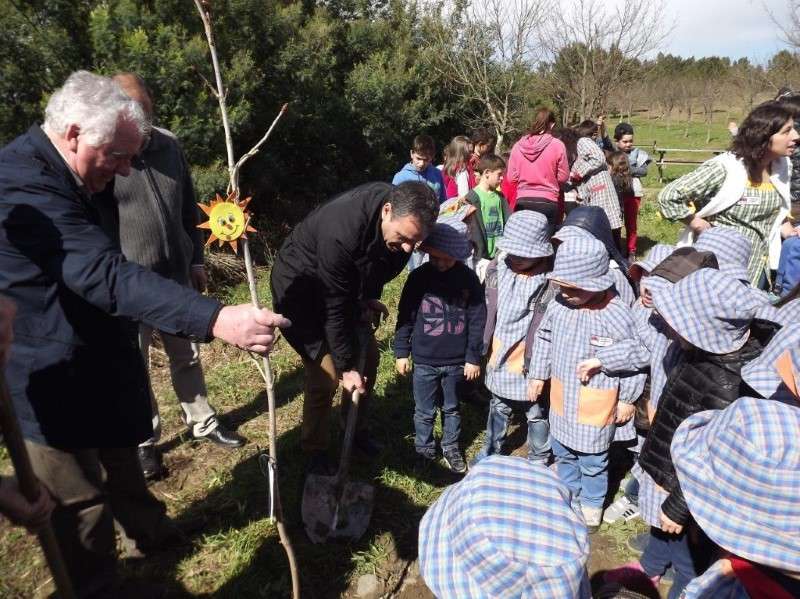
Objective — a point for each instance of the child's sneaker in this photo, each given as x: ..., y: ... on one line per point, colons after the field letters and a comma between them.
x: 630, y: 575
x: 592, y: 516
x: 454, y: 460
x: 623, y: 508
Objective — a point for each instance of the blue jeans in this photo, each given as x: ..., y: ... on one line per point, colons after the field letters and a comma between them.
x: 584, y: 474
x: 437, y: 386
x: 500, y: 411
x: 688, y: 559
x: 632, y: 490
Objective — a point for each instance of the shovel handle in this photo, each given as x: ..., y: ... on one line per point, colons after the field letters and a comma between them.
x: 29, y: 486
x: 349, y: 433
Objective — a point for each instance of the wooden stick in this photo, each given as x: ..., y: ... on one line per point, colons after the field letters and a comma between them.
x: 233, y: 188
x: 29, y: 485
x: 273, y: 427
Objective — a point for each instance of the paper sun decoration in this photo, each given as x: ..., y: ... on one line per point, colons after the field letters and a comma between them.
x: 228, y: 220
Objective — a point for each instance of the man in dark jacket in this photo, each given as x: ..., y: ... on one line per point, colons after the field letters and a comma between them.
x: 158, y: 219
x: 328, y: 277
x: 75, y: 373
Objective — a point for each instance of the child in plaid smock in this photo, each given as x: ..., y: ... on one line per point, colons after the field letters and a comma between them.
x: 509, y: 530
x: 523, y: 292
x: 739, y: 469
x: 584, y: 317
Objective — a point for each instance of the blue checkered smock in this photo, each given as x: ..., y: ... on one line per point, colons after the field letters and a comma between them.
x: 516, y: 294
x: 582, y: 416
x: 739, y: 470
x: 714, y: 584
x: 507, y: 530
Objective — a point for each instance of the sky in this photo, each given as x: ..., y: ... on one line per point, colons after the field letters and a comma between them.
x: 734, y: 28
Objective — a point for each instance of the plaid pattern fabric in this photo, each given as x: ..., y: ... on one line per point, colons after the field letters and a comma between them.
x: 515, y: 293
x: 788, y: 314
x: 526, y: 234
x: 739, y: 470
x: 651, y: 496
x: 732, y: 249
x: 656, y: 254
x: 598, y: 188
x: 755, y: 222
x: 709, y: 310
x: 506, y: 530
x: 621, y: 284
x: 752, y: 217
x: 714, y: 584
x: 582, y: 263
x: 449, y: 239
x: 704, y: 182
x: 760, y: 373
x: 568, y: 336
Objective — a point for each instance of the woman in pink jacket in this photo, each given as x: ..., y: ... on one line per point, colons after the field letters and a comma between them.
x: 539, y: 167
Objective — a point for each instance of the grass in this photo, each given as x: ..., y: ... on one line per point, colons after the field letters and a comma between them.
x: 235, y: 551
x: 650, y: 131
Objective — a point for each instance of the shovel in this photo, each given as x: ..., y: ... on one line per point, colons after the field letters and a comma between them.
x: 335, y: 507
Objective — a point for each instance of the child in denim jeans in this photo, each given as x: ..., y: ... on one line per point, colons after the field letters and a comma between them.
x: 518, y: 299
x: 440, y: 323
x: 584, y: 317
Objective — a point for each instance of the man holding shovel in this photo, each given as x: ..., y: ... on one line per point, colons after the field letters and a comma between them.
x: 327, y: 278
x: 75, y: 373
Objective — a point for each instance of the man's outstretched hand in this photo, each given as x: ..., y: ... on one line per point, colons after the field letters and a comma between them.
x: 248, y: 327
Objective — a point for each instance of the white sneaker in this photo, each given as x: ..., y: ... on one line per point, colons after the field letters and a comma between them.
x: 592, y: 516
x: 623, y: 509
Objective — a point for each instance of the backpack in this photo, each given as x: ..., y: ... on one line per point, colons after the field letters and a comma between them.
x: 538, y: 306
x: 788, y: 266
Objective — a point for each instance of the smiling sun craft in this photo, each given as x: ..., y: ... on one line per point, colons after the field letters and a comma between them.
x: 228, y: 220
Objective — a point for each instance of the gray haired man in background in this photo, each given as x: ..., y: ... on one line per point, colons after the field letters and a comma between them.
x: 158, y: 219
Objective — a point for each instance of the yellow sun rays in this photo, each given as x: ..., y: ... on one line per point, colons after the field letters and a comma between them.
x: 228, y: 220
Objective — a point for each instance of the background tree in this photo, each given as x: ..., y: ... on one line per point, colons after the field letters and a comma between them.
x: 593, y: 45
x: 487, y: 51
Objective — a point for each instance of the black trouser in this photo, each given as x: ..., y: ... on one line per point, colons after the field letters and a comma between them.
x: 92, y: 488
x: 547, y: 207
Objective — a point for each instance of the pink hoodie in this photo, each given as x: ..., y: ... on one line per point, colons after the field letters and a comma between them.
x: 538, y: 165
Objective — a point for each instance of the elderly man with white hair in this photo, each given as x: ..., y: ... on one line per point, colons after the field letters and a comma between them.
x: 75, y: 373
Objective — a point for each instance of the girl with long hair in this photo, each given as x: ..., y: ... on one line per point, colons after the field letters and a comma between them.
x: 538, y: 167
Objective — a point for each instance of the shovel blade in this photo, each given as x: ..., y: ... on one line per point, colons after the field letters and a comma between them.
x: 331, y: 510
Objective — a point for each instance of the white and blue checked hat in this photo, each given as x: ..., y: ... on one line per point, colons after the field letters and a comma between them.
x: 527, y: 235
x: 582, y: 262
x: 739, y: 470
x: 732, y: 249
x: 760, y: 373
x: 653, y: 258
x: 709, y: 309
x: 448, y: 239
x: 572, y: 232
x: 506, y: 530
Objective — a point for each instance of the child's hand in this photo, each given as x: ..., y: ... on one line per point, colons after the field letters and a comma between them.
x: 471, y: 371
x: 668, y: 525
x: 535, y: 387
x: 588, y: 368
x: 403, y: 366
x: 625, y: 412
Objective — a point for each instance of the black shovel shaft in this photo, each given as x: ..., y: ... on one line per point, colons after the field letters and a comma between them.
x: 29, y: 485
x: 349, y: 433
